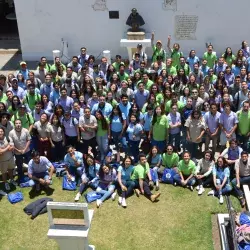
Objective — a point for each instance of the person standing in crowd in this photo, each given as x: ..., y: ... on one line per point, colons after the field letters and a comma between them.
x: 143, y: 179
x: 40, y: 171
x: 5, y: 123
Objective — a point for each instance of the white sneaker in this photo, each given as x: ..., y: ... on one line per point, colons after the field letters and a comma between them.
x: 120, y: 200
x: 211, y: 193
x: 7, y: 186
x: 201, y: 191
x: 191, y: 188
x: 77, y: 198
x: 13, y: 182
x: 98, y: 203
x: 124, y: 204
x: 113, y: 196
x: 2, y: 193
x: 198, y: 188
x: 221, y: 199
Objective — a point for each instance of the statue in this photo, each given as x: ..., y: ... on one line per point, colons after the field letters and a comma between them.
x: 135, y: 21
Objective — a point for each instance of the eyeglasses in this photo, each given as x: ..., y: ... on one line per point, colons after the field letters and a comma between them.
x: 194, y: 92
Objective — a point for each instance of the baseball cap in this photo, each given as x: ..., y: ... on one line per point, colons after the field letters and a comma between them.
x: 159, y: 41
x: 139, y: 45
x: 14, y: 79
x: 22, y: 106
x: 23, y: 62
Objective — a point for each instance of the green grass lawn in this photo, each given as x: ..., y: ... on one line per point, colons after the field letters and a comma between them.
x: 180, y: 220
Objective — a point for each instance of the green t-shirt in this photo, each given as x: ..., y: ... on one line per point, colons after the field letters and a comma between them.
x: 186, y: 68
x: 149, y: 84
x: 123, y: 77
x: 160, y: 98
x: 113, y: 103
x: 140, y: 172
x: 144, y: 107
x: 3, y: 98
x: 168, y: 104
x: 116, y: 65
x: 171, y: 71
x: 244, y: 122
x: 157, y: 52
x: 187, y: 169
x: 175, y: 56
x: 211, y: 59
x: 53, y: 67
x: 31, y: 100
x: 160, y: 128
x: 11, y: 111
x: 170, y: 161
x: 229, y: 60
x: 100, y: 130
x: 26, y: 120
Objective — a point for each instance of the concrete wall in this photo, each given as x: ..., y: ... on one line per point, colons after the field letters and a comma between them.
x: 43, y: 23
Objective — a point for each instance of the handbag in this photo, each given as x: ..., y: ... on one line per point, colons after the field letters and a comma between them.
x: 168, y: 176
x: 15, y: 197
x: 92, y: 196
x: 68, y: 184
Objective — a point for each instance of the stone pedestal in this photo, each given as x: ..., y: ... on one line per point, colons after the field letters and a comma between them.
x: 140, y: 35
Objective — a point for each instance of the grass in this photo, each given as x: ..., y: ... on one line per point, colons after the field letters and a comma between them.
x: 180, y: 220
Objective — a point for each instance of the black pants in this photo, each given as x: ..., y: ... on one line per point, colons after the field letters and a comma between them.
x: 206, y: 181
x: 89, y: 143
x: 71, y: 140
x: 146, y: 188
x: 58, y: 151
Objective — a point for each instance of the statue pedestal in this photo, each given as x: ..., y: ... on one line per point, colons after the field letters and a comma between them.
x: 132, y: 44
x: 140, y: 35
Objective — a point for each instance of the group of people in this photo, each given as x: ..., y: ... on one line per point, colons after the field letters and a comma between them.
x: 80, y: 112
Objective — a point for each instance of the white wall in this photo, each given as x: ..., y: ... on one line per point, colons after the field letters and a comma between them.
x: 42, y: 24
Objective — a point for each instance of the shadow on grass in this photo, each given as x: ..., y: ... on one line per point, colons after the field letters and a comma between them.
x: 33, y: 193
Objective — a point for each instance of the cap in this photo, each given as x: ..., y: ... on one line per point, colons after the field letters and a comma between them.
x: 22, y: 106
x: 139, y: 45
x: 159, y: 41
x: 23, y: 62
x: 14, y: 79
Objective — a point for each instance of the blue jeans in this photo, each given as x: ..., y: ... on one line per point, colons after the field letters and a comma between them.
x: 161, y: 145
x: 243, y: 180
x: 105, y: 192
x: 134, y: 149
x: 192, y: 148
x: 20, y: 159
x: 225, y: 189
x: 44, y: 175
x: 103, y: 143
x: 175, y: 140
x: 117, y: 140
x: 84, y: 186
x: 155, y: 169
x: 130, y: 188
x: 177, y: 179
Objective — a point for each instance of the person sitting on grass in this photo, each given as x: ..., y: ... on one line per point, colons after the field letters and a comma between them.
x: 40, y: 171
x: 91, y: 178
x: 186, y: 171
x: 204, y: 172
x: 74, y: 163
x: 125, y: 187
x: 106, y: 187
x: 221, y: 181
x: 242, y: 169
x: 143, y: 180
x: 154, y: 160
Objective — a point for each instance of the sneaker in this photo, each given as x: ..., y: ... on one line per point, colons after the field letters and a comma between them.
x: 98, y: 203
x: 221, y: 199
x: 2, y: 193
x: 13, y: 182
x: 211, y: 193
x: 198, y: 188
x: 113, y: 196
x: 120, y: 200
x: 201, y: 191
x: 77, y: 198
x: 175, y: 184
x: 124, y: 204
x: 7, y: 186
x: 191, y: 188
x: 157, y: 188
x: 242, y: 202
x: 38, y: 188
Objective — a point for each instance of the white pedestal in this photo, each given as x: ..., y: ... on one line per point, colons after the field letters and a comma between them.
x: 132, y: 44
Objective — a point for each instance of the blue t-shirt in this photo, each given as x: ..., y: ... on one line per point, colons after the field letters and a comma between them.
x: 116, y: 124
x: 147, y: 121
x: 155, y: 160
x: 221, y: 173
x: 134, y: 129
x: 126, y: 172
x: 93, y: 170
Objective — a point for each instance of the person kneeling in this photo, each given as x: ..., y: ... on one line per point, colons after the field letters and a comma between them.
x: 38, y: 168
x: 143, y: 180
x: 186, y: 170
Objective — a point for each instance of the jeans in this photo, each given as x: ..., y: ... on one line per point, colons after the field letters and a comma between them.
x: 155, y: 170
x: 175, y: 140
x: 243, y: 180
x: 177, y: 178
x: 117, y: 140
x: 146, y: 188
x: 130, y: 188
x: 161, y: 145
x: 58, y: 152
x: 192, y: 148
x: 20, y: 159
x: 44, y: 175
x: 105, y: 192
x: 134, y: 149
x: 89, y: 143
x: 84, y: 186
x: 103, y: 143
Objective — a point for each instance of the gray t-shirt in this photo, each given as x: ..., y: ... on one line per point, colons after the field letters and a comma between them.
x: 90, y: 133
x: 20, y: 139
x: 56, y: 133
x: 7, y: 155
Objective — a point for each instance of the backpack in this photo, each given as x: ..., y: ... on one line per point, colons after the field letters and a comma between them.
x: 92, y: 196
x: 68, y: 184
x: 15, y: 197
x: 168, y: 176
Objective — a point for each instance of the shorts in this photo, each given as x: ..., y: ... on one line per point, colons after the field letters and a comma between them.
x: 4, y: 166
